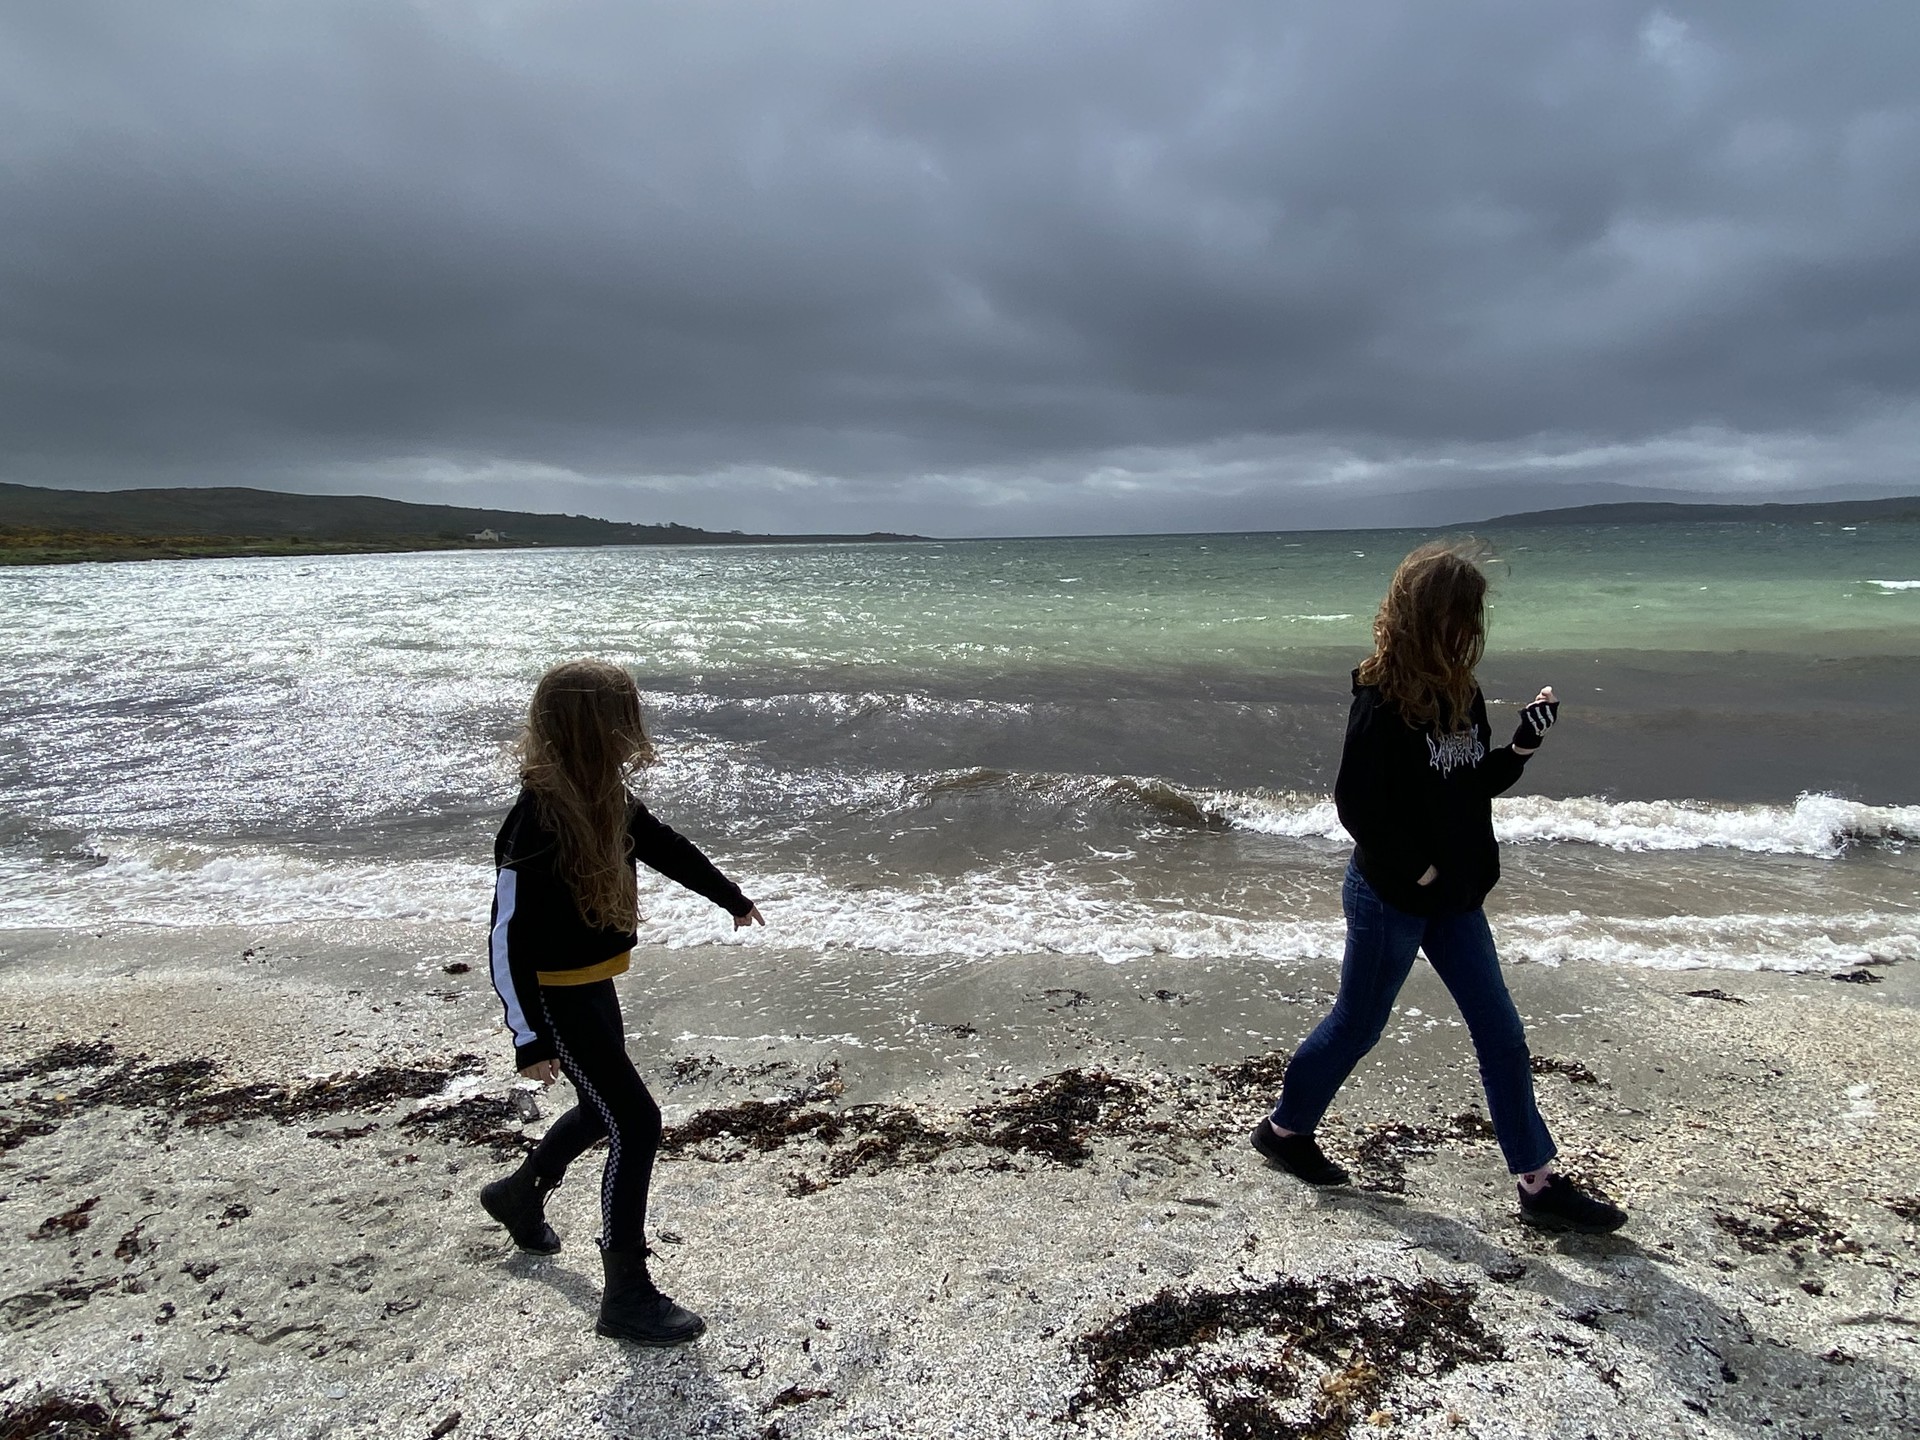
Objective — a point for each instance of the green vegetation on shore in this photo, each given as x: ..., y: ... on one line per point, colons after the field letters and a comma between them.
x: 23, y: 545
x: 40, y: 526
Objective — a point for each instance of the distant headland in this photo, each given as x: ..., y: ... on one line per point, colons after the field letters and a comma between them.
x: 45, y: 527
x: 1642, y: 512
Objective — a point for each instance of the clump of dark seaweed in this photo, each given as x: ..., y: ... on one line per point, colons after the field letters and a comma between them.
x: 1578, y: 1073
x: 60, y: 1417
x: 28, y: 1308
x: 1907, y: 1207
x: 687, y: 1069
x: 888, y: 1136
x: 1258, y: 1075
x: 1785, y: 1224
x: 1359, y: 1335
x: 757, y: 1124
x: 1054, y: 1116
x: 66, y: 1055
x: 1386, y: 1148
x: 485, y: 1121
x: 882, y: 1135
x: 368, y: 1090
x: 67, y: 1222
x: 1716, y: 995
x: 181, y: 1090
x: 16, y: 1131
x: 131, y: 1084
x: 135, y: 1085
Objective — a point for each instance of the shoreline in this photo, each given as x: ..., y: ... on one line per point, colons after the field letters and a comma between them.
x: 1003, y: 1202
x: 86, y: 549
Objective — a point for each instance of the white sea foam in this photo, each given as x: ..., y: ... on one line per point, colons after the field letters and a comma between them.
x: 146, y: 883
x: 1816, y: 825
x: 990, y: 915
x: 1013, y: 911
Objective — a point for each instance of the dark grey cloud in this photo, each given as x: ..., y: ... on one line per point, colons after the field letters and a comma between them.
x: 993, y: 266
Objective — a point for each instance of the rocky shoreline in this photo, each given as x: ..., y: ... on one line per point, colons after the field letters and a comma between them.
x: 237, y: 1176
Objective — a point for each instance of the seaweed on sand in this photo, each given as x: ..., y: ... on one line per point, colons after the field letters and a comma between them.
x: 129, y: 1083
x: 182, y: 1090
x: 886, y: 1136
x: 485, y: 1121
x: 369, y: 1090
x: 16, y: 1132
x: 1289, y: 1360
x: 66, y: 1055
x: 1053, y: 1118
x: 757, y: 1124
x: 68, y: 1222
x: 1787, y: 1223
x: 1578, y: 1073
x: 882, y: 1136
x: 60, y: 1417
x: 28, y: 1308
x: 1258, y: 1075
x: 1384, y: 1152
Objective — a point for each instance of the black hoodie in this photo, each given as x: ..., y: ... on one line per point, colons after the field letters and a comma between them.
x: 1414, y: 797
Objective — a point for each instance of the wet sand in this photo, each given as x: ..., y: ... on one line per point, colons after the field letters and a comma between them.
x: 1012, y: 1199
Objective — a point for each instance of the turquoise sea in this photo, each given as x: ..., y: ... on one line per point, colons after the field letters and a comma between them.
x: 1104, y: 747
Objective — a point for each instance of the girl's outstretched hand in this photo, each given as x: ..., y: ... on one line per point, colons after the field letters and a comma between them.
x: 546, y: 1072
x: 1535, y: 720
x: 752, y: 917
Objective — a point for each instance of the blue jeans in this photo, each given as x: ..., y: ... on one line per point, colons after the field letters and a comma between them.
x: 1381, y: 942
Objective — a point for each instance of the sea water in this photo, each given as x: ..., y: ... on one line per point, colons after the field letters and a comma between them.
x: 937, y: 751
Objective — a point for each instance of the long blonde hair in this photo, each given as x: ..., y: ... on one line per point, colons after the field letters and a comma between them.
x: 583, y: 739
x: 1430, y: 633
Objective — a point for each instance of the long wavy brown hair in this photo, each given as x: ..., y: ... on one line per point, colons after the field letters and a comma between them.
x: 1430, y: 634
x: 583, y: 740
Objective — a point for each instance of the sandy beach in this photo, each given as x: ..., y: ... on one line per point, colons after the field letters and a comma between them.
x: 238, y: 1178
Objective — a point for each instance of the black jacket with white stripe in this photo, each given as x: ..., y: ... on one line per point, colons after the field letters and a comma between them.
x: 537, y: 927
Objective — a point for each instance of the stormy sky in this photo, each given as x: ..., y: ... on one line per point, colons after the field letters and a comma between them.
x: 966, y: 268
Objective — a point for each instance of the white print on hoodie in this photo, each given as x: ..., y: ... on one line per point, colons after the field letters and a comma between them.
x: 1447, y: 753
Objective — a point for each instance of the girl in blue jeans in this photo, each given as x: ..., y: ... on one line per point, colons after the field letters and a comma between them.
x: 1415, y: 790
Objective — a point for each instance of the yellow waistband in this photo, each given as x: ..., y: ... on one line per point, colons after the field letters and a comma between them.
x: 605, y: 970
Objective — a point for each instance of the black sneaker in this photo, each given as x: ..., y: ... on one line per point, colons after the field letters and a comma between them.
x: 1562, y: 1205
x: 1299, y: 1155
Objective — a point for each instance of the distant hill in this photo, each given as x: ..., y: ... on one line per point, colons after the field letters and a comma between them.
x: 1904, y: 507
x: 50, y: 525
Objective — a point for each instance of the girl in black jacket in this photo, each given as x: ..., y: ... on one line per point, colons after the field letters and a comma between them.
x: 564, y: 917
x: 1415, y: 790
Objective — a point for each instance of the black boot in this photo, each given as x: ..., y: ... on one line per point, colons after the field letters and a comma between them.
x: 518, y: 1202
x: 632, y: 1307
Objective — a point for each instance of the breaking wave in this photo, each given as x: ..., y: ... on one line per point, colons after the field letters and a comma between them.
x: 1822, y: 826
x: 1031, y: 909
